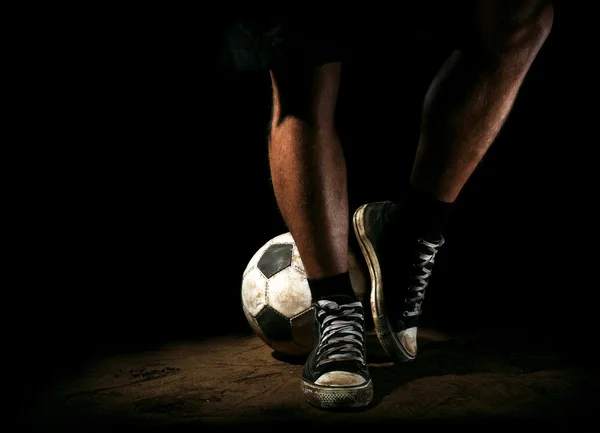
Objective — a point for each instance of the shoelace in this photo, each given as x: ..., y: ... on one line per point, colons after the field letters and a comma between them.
x: 342, y: 334
x: 426, y: 256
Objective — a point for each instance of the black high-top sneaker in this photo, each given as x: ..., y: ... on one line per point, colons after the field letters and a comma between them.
x: 335, y: 374
x: 400, y: 269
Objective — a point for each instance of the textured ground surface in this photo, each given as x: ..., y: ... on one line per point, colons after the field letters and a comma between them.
x: 230, y: 381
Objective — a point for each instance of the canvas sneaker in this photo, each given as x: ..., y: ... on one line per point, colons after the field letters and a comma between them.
x: 400, y: 271
x: 335, y: 374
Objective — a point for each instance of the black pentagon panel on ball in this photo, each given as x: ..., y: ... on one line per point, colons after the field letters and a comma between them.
x: 275, y: 326
x: 275, y: 258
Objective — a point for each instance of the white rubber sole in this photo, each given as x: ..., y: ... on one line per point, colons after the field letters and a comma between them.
x: 388, y: 339
x: 327, y: 397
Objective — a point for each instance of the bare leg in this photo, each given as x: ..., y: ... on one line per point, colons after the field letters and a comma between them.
x: 464, y: 109
x: 472, y: 95
x: 308, y: 168
x: 308, y: 173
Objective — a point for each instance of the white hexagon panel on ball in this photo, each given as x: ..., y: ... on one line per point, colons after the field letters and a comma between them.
x: 276, y: 298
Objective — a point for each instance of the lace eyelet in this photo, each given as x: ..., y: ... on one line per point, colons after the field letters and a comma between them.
x: 406, y: 301
x: 405, y: 314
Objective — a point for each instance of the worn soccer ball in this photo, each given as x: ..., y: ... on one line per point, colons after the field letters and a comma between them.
x: 276, y: 298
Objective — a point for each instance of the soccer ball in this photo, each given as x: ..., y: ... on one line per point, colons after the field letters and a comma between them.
x: 276, y: 298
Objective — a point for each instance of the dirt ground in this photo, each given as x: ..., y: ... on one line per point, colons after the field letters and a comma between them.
x: 232, y: 381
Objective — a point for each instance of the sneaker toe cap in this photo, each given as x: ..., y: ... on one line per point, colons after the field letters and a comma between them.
x: 340, y: 378
x: 408, y: 339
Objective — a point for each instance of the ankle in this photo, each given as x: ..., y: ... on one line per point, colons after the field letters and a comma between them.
x: 332, y: 287
x: 419, y: 215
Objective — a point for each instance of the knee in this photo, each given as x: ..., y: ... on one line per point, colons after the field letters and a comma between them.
x: 520, y: 28
x: 305, y: 97
x: 291, y: 120
x: 529, y: 28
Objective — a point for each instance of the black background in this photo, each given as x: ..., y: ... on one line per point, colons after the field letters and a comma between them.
x: 153, y: 191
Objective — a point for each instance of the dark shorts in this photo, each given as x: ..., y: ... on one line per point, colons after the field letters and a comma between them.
x: 255, y: 43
